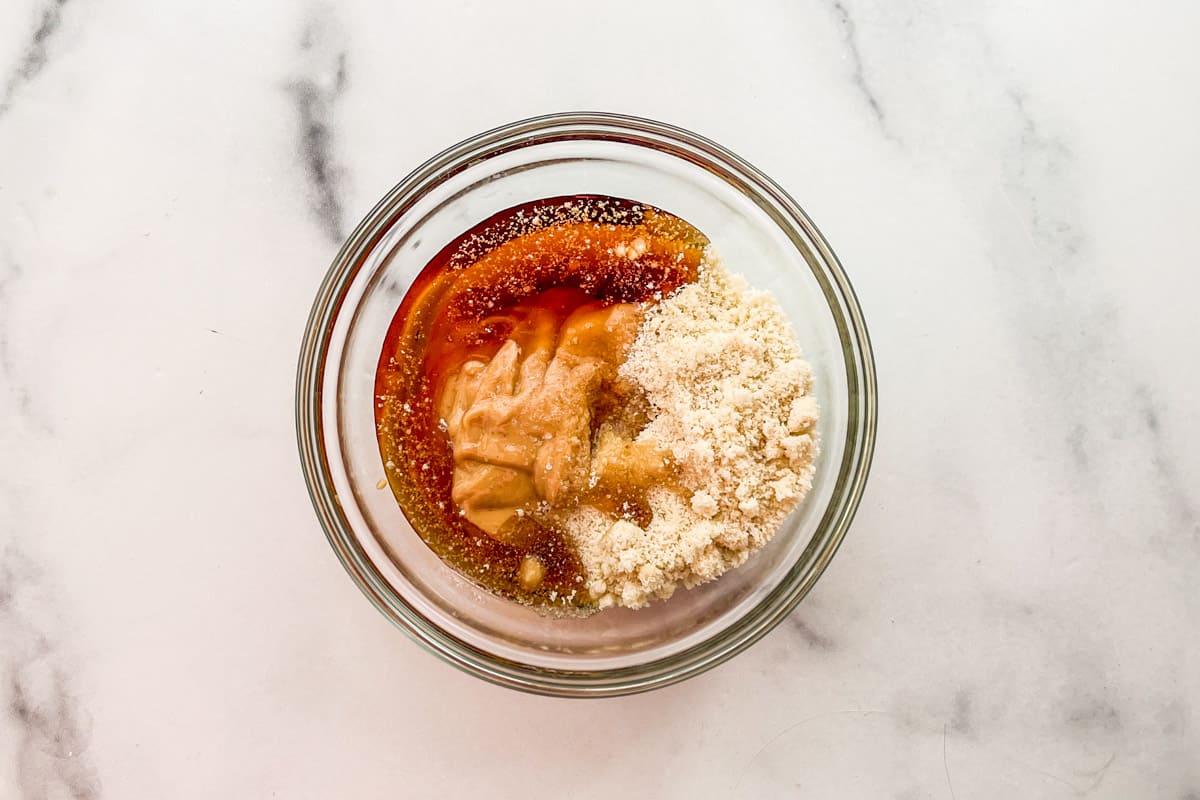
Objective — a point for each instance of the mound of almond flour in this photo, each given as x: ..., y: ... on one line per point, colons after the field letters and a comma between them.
x: 730, y: 401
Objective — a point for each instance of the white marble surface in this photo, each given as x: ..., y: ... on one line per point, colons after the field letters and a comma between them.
x: 1011, y: 186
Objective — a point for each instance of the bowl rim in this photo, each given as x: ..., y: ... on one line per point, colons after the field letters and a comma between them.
x: 851, y: 477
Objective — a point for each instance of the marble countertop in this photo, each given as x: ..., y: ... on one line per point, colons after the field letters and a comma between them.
x: 1011, y: 187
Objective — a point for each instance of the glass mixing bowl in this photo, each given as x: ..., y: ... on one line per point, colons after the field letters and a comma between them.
x: 758, y: 229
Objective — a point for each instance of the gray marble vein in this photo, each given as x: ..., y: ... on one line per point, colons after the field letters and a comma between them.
x: 1180, y: 502
x: 53, y: 729
x: 1020, y: 175
x: 11, y: 273
x: 811, y: 637
x: 1112, y: 479
x: 962, y: 722
x: 1042, y: 172
x: 315, y: 95
x: 858, y: 75
x: 1075, y: 333
x: 36, y: 54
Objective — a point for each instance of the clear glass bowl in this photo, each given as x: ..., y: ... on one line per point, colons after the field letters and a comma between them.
x: 761, y: 232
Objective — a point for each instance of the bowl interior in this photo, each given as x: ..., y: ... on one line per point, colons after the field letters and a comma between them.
x: 418, y: 585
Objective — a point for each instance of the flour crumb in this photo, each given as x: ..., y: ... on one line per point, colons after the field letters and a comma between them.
x: 730, y: 398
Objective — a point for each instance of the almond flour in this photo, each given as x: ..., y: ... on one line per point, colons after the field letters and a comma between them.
x: 730, y: 401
